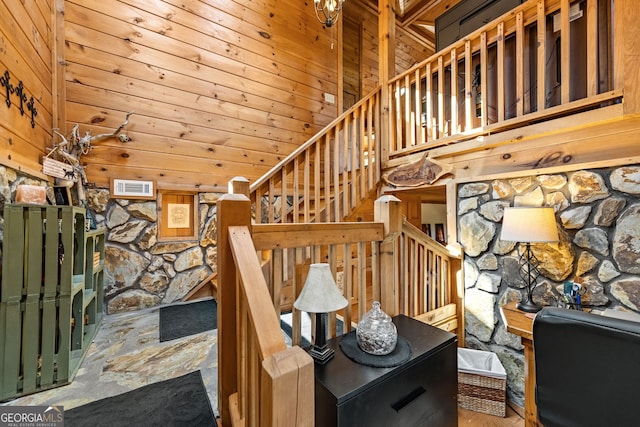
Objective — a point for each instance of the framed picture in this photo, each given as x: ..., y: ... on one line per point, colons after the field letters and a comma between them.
x: 62, y: 195
x: 426, y: 229
x: 440, y: 236
x: 177, y: 215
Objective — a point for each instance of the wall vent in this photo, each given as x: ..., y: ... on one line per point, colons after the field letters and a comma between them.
x: 129, y: 188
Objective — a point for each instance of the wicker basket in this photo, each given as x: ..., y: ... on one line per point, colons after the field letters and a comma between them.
x: 482, y: 382
x: 482, y: 394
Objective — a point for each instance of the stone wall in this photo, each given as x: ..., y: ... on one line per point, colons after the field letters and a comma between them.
x: 598, y: 217
x: 140, y: 272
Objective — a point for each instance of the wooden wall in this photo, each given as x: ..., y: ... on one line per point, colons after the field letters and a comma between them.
x: 219, y: 88
x: 408, y: 51
x: 26, y: 54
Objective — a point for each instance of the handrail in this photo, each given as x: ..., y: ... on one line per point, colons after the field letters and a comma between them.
x: 262, y: 380
x: 266, y: 363
x: 260, y: 181
x: 347, y: 247
x: 505, y: 75
x: 325, y: 179
x: 427, y: 273
x: 253, y: 286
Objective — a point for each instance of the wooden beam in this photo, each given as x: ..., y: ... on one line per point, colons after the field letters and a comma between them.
x: 273, y: 236
x: 58, y: 87
x: 388, y: 210
x: 627, y: 60
x: 233, y: 210
x: 386, y: 67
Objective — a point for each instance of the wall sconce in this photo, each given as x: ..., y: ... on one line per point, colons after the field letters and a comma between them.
x: 320, y: 295
x: 529, y: 225
x: 329, y: 10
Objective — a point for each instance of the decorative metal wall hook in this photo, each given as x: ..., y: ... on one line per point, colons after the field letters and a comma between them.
x: 5, y: 82
x: 32, y: 107
x: 22, y: 96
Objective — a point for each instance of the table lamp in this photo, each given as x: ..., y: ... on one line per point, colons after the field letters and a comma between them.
x: 320, y: 295
x: 529, y: 225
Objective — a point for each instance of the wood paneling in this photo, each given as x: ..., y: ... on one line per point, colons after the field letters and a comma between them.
x: 408, y: 49
x: 352, y: 53
x: 25, y: 52
x: 219, y: 88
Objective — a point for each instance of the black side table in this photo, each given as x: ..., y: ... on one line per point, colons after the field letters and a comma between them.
x: 420, y: 392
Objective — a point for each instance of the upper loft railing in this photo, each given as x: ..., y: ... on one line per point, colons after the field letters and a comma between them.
x: 544, y: 59
x: 326, y: 178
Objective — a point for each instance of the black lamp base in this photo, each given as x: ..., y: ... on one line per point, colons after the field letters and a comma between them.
x: 320, y: 351
x: 528, y: 306
x: 321, y: 355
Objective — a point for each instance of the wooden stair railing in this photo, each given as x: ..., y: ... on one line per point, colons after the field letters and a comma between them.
x: 325, y: 179
x: 275, y: 378
x: 453, y: 96
x: 364, y: 256
x: 430, y: 274
x: 503, y: 76
x: 263, y: 382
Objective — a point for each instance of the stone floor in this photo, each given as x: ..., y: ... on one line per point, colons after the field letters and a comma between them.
x: 127, y: 354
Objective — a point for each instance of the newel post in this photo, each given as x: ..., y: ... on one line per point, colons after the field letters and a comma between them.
x: 388, y: 210
x: 625, y: 24
x: 239, y: 185
x: 232, y: 210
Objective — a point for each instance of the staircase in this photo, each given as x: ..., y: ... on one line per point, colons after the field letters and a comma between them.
x: 327, y: 178
x: 307, y: 208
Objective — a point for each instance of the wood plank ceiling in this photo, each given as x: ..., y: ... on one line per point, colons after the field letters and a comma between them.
x: 419, y: 16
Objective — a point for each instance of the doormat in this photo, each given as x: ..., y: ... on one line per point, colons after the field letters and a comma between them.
x: 181, y: 320
x: 181, y: 401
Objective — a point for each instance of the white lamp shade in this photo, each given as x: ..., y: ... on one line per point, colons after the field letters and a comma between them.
x: 529, y: 224
x: 320, y: 293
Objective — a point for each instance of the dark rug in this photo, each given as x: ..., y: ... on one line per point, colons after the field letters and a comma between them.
x: 177, y: 321
x: 304, y: 342
x: 181, y: 401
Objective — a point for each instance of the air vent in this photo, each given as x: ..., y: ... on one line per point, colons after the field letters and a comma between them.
x: 128, y: 188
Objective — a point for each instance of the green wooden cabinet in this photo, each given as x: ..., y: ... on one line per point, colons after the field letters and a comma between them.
x: 51, y: 296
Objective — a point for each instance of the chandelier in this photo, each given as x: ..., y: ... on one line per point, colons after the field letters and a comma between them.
x: 327, y: 11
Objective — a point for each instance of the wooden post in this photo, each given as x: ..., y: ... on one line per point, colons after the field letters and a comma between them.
x: 239, y: 185
x: 456, y: 277
x: 626, y: 58
x: 233, y: 209
x: 388, y: 209
x: 386, y: 70
x: 287, y: 396
x: 58, y: 81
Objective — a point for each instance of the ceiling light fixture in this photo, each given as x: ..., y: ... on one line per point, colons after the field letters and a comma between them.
x: 327, y: 11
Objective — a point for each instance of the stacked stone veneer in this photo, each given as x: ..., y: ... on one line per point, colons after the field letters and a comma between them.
x: 141, y: 272
x: 598, y: 217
